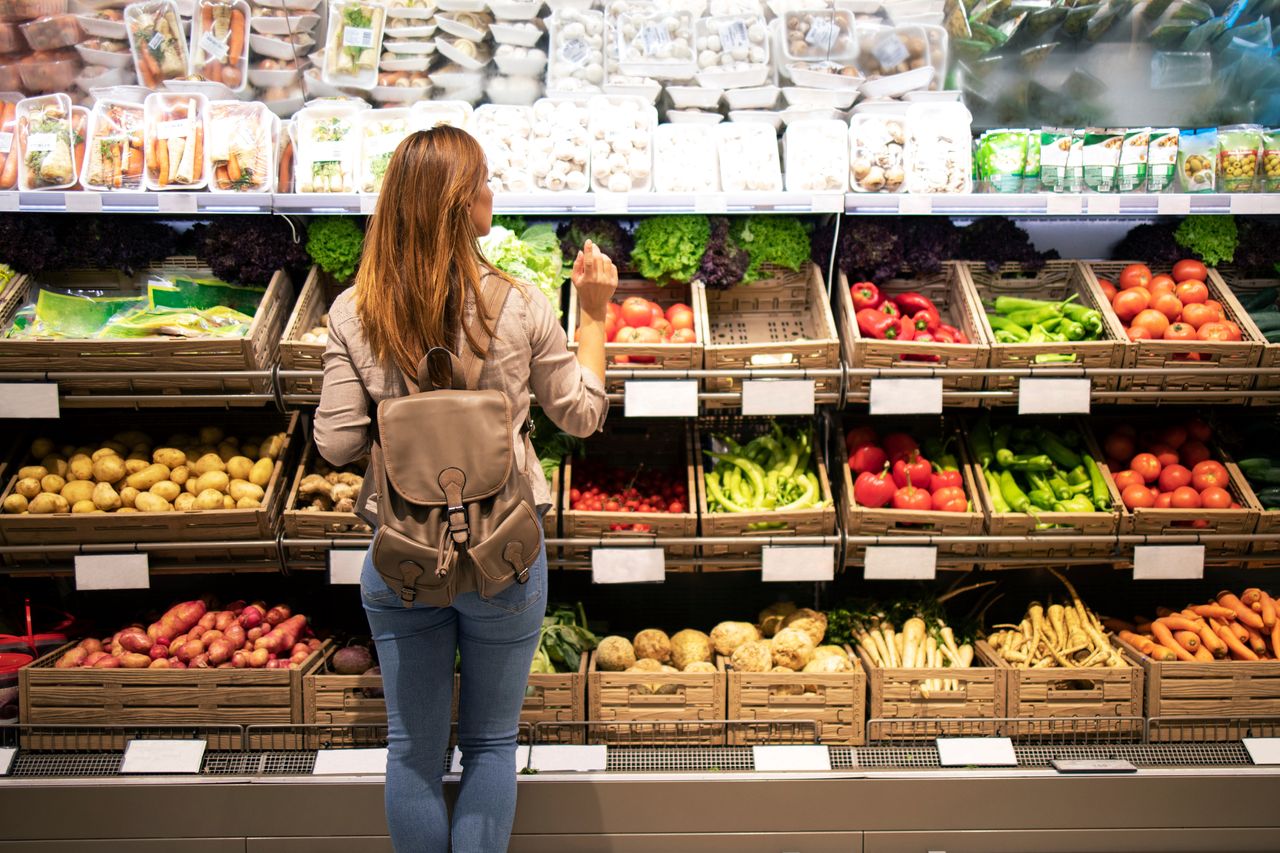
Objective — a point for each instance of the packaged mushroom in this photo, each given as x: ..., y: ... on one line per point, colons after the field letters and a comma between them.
x: 655, y: 43
x: 561, y: 146
x: 622, y: 144
x: 381, y: 131
x: 895, y: 60
x: 938, y: 153
x: 749, y: 158
x: 504, y: 132
x: 817, y: 156
x: 876, y: 149
x: 577, y: 52
x: 733, y: 51
x: 818, y: 35
x: 684, y: 159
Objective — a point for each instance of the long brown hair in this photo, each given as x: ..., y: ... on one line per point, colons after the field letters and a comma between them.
x: 420, y: 252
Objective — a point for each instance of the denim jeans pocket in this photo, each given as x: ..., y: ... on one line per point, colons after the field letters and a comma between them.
x: 521, y: 596
x: 374, y: 591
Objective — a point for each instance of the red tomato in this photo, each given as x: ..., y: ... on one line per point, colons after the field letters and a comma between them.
x: 1173, y: 476
x: 648, y: 335
x: 1166, y: 454
x: 1215, y: 497
x: 626, y: 335
x: 1217, y: 308
x: 1138, y: 333
x: 1174, y: 436
x: 1199, y: 430
x: 1168, y: 305
x: 1128, y: 478
x: 1119, y: 446
x: 1233, y: 330
x: 1138, y: 496
x: 680, y: 316
x: 1135, y: 275
x: 910, y: 497
x: 611, y: 312
x: 1152, y: 320
x: 1147, y: 467
x: 1161, y: 284
x: 1214, y: 332
x: 1193, y: 453
x: 859, y: 436
x: 950, y: 499
x: 683, y: 336
x: 656, y: 313
x: 870, y: 457
x: 1209, y: 473
x: 635, y: 312
x: 679, y: 306
x: 663, y: 327
x: 1108, y: 288
x: 1129, y: 303
x: 1189, y: 270
x: 1180, y: 332
x: 1185, y: 497
x: 1164, y: 500
x: 1196, y: 314
x: 1191, y: 291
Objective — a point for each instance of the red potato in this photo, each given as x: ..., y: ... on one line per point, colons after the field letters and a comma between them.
x: 175, y: 643
x: 94, y: 657
x: 200, y: 661
x: 179, y: 619
x: 158, y: 652
x: 133, y: 660
x: 135, y: 640
x: 107, y: 662
x: 254, y: 634
x: 225, y: 619
x: 209, y: 636
x: 252, y: 616
x: 240, y: 659
x: 196, y: 633
x: 299, y: 658
x: 117, y: 650
x: 174, y: 663
x: 224, y: 665
x: 236, y: 606
x: 159, y: 663
x: 220, y: 651
x: 278, y: 614
x: 73, y: 658
x: 284, y: 635
x: 300, y: 647
x: 90, y: 645
x: 258, y: 658
x: 190, y: 649
x: 314, y: 644
x: 208, y: 620
x: 236, y: 634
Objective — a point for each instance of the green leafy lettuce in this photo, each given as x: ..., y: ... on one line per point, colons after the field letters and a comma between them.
x: 670, y: 248
x: 335, y: 244
x: 1213, y: 238
x: 533, y: 256
x: 779, y: 240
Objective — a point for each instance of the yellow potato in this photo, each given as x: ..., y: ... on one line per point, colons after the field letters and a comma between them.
x: 38, y: 472
x: 83, y: 506
x: 126, y: 509
x: 28, y: 487
x: 109, y: 469
x: 15, y: 504
x: 181, y: 439
x: 190, y: 486
x: 147, y: 502
x: 227, y: 451
x: 209, y: 499
x: 249, y: 451
x: 248, y: 503
x: 211, y: 435
x: 185, y: 502
x: 209, y: 462
x: 44, y: 504
x: 166, y: 489
x: 238, y: 467
x: 180, y: 475
x: 228, y: 502
x: 169, y: 456
x: 80, y: 468
x: 272, y: 447
x: 212, y: 480
x: 128, y: 495
x: 52, y: 483
x: 134, y: 464
x: 241, y: 489
x: 77, y: 490
x: 149, y: 476
x: 104, y: 451
x: 55, y: 464
x: 114, y: 446
x: 261, y: 473
x: 41, y: 448
x: 105, y: 497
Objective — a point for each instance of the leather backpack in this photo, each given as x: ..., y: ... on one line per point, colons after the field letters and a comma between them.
x: 454, y: 513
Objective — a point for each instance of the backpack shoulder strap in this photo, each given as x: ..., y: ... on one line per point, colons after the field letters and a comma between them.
x: 494, y: 292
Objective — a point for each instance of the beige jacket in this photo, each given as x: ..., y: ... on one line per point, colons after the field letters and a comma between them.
x: 529, y: 350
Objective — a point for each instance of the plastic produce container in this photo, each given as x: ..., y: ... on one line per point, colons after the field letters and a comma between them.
x: 877, y: 143
x: 49, y: 72
x: 817, y: 156
x: 9, y: 148
x: 354, y: 43
x: 504, y: 133
x: 52, y: 32
x: 576, y: 53
x: 381, y: 131
x: 560, y: 148
x: 732, y: 51
x: 655, y: 43
x: 15, y: 11
x: 895, y: 60
x: 115, y: 158
x: 622, y: 144
x: 157, y: 41
x: 685, y: 159
x: 428, y: 114
x: 327, y: 147
x: 240, y: 148
x: 818, y: 35
x: 748, y: 155
x: 175, y: 129
x: 938, y: 152
x: 218, y: 42
x: 47, y: 156
x: 11, y: 38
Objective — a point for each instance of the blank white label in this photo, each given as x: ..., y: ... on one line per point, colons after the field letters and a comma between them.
x: 1168, y: 562
x: 906, y: 396
x: 915, y: 205
x: 29, y: 400
x: 559, y: 758
x: 710, y: 203
x: 611, y: 202
x: 628, y: 565
x: 177, y: 202
x: 522, y: 759
x: 827, y: 203
x: 112, y: 571
x: 163, y: 756
x: 368, y: 204
x: 1093, y: 765
x: 345, y: 565
x: 82, y: 202
x: 1248, y: 203
x: 7, y: 754
x: 1263, y: 750
x: 797, y: 563
x: 900, y: 563
x: 1175, y: 204
x: 1053, y: 396
x: 976, y: 752
x: 783, y: 759
x: 350, y: 762
x: 8, y: 200
x: 1063, y: 205
x: 1104, y: 204
x: 661, y: 399
x: 777, y: 396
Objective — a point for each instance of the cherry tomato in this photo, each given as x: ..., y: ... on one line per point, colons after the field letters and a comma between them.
x: 1174, y: 475
x: 1215, y: 497
x: 1128, y: 478
x: 1108, y: 288
x: 1135, y: 275
x: 1147, y: 466
x: 1191, y: 291
x: 1196, y: 314
x: 1129, y: 303
x: 1189, y: 270
x: 1193, y: 453
x: 1164, y: 500
x: 1166, y: 454
x: 1138, y: 496
x: 1209, y: 473
x: 1153, y: 321
x: 1180, y: 331
x: 1168, y: 305
x: 635, y: 312
x: 1214, y: 331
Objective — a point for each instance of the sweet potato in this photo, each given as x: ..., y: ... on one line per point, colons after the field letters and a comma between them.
x: 220, y: 651
x: 132, y: 660
x: 136, y: 640
x: 178, y: 620
x: 200, y: 661
x: 196, y: 632
x: 72, y: 659
x: 278, y: 614
x: 107, y: 662
x: 253, y: 634
x: 208, y: 620
x: 283, y: 636
x: 190, y: 650
x: 94, y: 657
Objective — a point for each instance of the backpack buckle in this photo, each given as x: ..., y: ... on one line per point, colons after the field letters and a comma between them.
x: 451, y: 482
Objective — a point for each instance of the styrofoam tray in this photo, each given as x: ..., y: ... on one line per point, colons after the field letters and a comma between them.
x: 287, y: 107
x: 457, y: 29
x: 211, y: 90
x: 512, y: 10
x: 267, y: 78
x: 405, y: 62
x: 106, y: 77
x: 417, y: 12
x: 399, y: 94
x: 102, y: 28
x: 513, y: 91
x: 896, y: 85
x: 128, y: 93
x: 295, y: 5
x: 108, y: 58
x: 279, y: 49
x: 933, y: 97
x: 460, y: 5
x: 769, y: 117
x: 694, y: 97
x: 534, y: 63
x: 758, y: 98
x: 284, y: 26
x: 647, y: 92
x: 521, y: 36
x: 693, y: 117
x: 470, y: 63
x: 424, y: 31
x: 794, y: 114
x: 798, y: 96
x: 457, y: 79
x: 802, y: 76
x: 411, y: 47
x: 744, y: 79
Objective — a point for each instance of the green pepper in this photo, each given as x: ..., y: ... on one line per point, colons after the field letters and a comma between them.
x: 1061, y: 488
x: 1000, y: 442
x: 1013, y: 495
x: 1078, y: 503
x: 1041, y: 499
x: 1055, y: 358
x: 1056, y: 450
x: 1029, y: 318
x: 998, y: 503
x: 1038, y: 335
x: 1073, y: 330
x: 981, y: 440
x: 713, y: 487
x: 1078, y: 475
x: 1010, y: 304
x: 1003, y: 337
x: 1003, y: 324
x: 1085, y: 316
x: 1099, y: 493
x: 946, y: 462
x: 1039, y: 462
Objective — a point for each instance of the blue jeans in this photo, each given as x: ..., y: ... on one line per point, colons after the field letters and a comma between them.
x: 496, y: 639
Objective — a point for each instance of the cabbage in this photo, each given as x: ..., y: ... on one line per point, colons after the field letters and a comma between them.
x: 533, y: 256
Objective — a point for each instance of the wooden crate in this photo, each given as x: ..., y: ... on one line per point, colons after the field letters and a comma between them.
x: 559, y: 697
x: 157, y: 697
x: 898, y: 696
x: 695, y: 701
x: 192, y: 526
x: 836, y: 701
x: 313, y: 302
x: 947, y: 290
x: 666, y: 356
x: 1084, y: 700
x: 803, y: 522
x: 886, y: 521
x: 1153, y: 357
x: 319, y: 525
x: 1242, y: 287
x: 649, y: 444
x: 190, y: 356
x: 1223, y: 695
x: 1268, y: 520
x: 1057, y: 280
x: 783, y: 321
x: 1075, y: 524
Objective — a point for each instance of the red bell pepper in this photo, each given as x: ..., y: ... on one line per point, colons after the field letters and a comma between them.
x: 888, y: 307
x: 942, y: 336
x: 924, y: 337
x: 960, y: 337
x: 865, y: 295
x: 924, y: 321
x: 884, y: 327
x: 912, y: 302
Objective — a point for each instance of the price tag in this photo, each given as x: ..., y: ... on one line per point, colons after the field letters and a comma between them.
x: 1064, y: 204
x: 611, y: 202
x: 156, y: 40
x: 522, y: 759
x: 710, y: 203
x: 368, y: 204
x: 628, y: 565
x: 29, y: 399
x: 214, y: 46
x: 1093, y: 765
x: 6, y: 141
x: 661, y: 399
x: 906, y: 396
x: 1248, y: 203
x: 1054, y: 396
x: 1104, y: 204
x: 790, y: 759
x: 163, y: 756
x: 777, y: 397
x: 41, y: 142
x: 350, y: 762
x: 112, y: 571
x: 8, y: 201
x: 822, y: 33
x: 361, y: 37
x: 173, y: 129
x: 915, y: 205
x: 575, y: 52
x: 654, y: 37
x: 827, y: 202
x: 177, y: 202
x: 1262, y: 750
x: 7, y: 755
x: 976, y: 752
x: 797, y: 563
x: 83, y: 202
x: 900, y: 563
x: 1173, y: 204
x: 548, y: 758
x: 345, y: 565
x: 733, y: 34
x: 1168, y: 562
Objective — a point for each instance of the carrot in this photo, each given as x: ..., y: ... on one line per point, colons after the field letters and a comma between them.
x: 9, y: 174
x: 1250, y: 597
x: 117, y: 164
x: 235, y: 45
x: 1256, y: 642
x: 1161, y: 612
x: 149, y: 68
x: 162, y: 162
x: 1215, y: 610
x: 1209, y: 640
x: 1243, y: 613
x: 284, y: 181
x: 198, y: 171
x: 1142, y: 644
x: 1238, y: 650
x: 1189, y: 640
x: 233, y: 168
x: 1275, y: 641
x: 1163, y: 636
x: 206, y: 17
x: 1204, y: 655
x: 1268, y: 612
x: 1179, y: 623
x: 220, y: 176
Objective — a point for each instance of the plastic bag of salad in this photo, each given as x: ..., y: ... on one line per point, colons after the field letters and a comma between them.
x: 1100, y: 156
x: 1001, y: 158
x: 1055, y: 151
x: 1162, y: 158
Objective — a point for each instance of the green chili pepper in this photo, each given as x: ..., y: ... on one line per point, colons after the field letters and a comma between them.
x: 981, y: 440
x: 1077, y: 475
x: 1056, y: 450
x: 998, y: 503
x: 1099, y: 492
x: 1029, y: 318
x: 1003, y: 324
x: 1013, y: 495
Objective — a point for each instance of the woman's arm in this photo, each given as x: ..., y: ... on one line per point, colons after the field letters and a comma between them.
x: 341, y: 423
x: 595, y: 278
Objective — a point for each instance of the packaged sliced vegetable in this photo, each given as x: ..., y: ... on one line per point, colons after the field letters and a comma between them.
x: 327, y: 148
x: 1031, y: 171
x: 938, y: 155
x: 1197, y: 155
x: 622, y: 144
x: 1131, y: 176
x: 157, y: 41
x: 748, y: 155
x: 381, y: 132
x: 561, y: 146
x: 219, y: 32
x: 115, y: 147
x: 1000, y: 158
x: 354, y: 43
x: 504, y: 133
x: 46, y: 142
x: 817, y: 156
x: 79, y: 133
x: 1055, y: 151
x: 1162, y: 158
x: 10, y: 150
x: 684, y: 159
x: 1238, y: 151
x: 1100, y: 158
x: 1270, y: 160
x: 241, y: 147
x: 175, y: 135
x: 284, y: 157
x: 876, y: 145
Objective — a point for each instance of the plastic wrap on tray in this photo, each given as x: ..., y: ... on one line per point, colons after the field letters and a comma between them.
x: 114, y: 158
x: 561, y: 146
x: 46, y: 142
x: 429, y: 114
x: 622, y: 144
x: 219, y: 32
x: 10, y: 150
x: 877, y: 142
x: 241, y: 147
x: 354, y: 43
x: 175, y: 139
x: 655, y: 42
x: 327, y: 147
x: 1239, y: 149
x: 938, y: 153
x: 684, y: 159
x: 1000, y: 160
x: 817, y: 156
x: 576, y: 57
x: 749, y: 158
x: 733, y: 51
x: 381, y: 131
x: 52, y: 32
x: 504, y: 133
x: 157, y: 41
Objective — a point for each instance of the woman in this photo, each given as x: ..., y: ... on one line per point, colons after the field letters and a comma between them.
x: 417, y: 288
